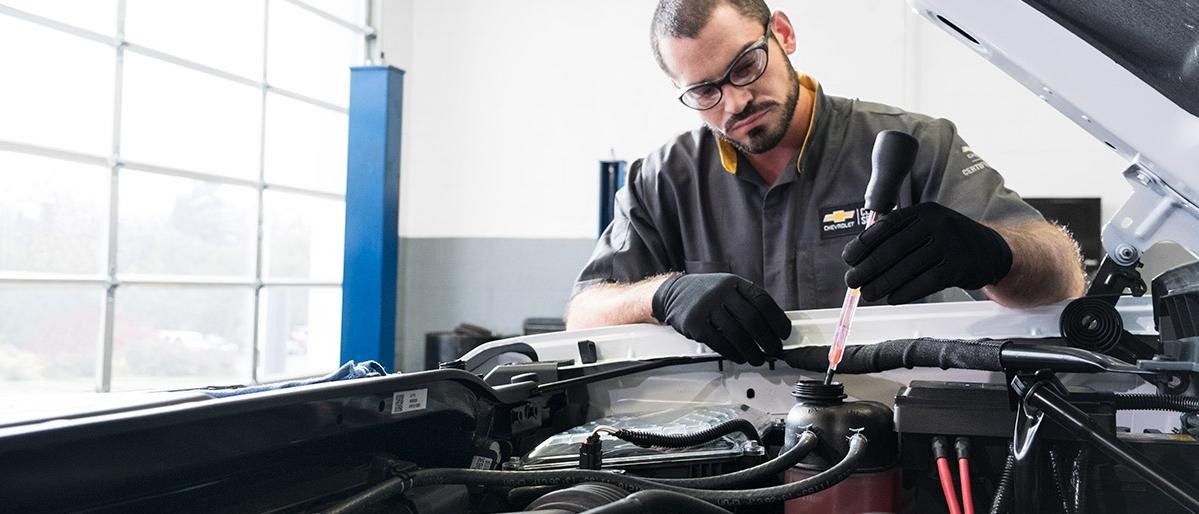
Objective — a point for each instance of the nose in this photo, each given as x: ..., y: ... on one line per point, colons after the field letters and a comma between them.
x: 735, y: 98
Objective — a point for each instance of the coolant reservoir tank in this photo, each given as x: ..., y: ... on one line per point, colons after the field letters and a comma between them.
x: 874, y: 486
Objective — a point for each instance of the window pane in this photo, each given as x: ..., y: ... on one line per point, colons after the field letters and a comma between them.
x: 185, y: 119
x: 64, y: 101
x: 304, y: 237
x: 311, y: 55
x: 300, y: 332
x: 94, y: 15
x: 188, y: 30
x: 353, y: 11
x: 49, y: 336
x: 305, y: 145
x: 173, y: 337
x: 53, y: 215
x: 172, y: 225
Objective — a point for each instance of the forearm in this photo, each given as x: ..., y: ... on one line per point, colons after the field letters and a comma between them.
x: 604, y: 305
x: 1046, y: 266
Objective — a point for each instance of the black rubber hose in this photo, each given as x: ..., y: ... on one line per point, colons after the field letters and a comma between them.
x: 579, y: 498
x: 804, y: 445
x: 646, y: 439
x: 523, y: 496
x: 374, y: 495
x: 1061, y: 482
x: 1003, y: 492
x: 725, y: 498
x: 1079, y: 478
x: 981, y: 354
x: 1156, y: 402
x: 658, y: 502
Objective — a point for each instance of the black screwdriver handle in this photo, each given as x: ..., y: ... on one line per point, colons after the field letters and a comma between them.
x: 890, y: 162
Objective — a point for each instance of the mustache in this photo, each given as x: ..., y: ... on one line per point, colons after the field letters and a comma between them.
x: 748, y: 111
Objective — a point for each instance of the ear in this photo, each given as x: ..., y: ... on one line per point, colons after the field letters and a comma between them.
x: 784, y: 32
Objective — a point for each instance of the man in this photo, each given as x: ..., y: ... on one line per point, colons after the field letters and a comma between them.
x: 763, y: 205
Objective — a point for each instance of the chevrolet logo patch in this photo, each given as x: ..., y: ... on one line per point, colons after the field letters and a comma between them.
x: 842, y: 220
x: 838, y: 216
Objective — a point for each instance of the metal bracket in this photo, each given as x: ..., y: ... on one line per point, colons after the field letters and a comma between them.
x: 1155, y: 212
x: 1113, y: 278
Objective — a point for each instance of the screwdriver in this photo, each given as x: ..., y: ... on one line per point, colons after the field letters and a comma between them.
x: 890, y: 162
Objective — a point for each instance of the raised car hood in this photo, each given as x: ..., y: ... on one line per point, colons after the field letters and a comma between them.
x: 1127, y: 72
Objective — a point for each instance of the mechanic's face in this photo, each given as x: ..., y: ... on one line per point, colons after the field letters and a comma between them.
x: 753, y: 117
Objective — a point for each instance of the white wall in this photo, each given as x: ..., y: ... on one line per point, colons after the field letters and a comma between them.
x: 513, y: 104
x: 509, y: 104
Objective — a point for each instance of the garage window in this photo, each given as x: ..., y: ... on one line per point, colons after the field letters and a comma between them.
x: 172, y: 190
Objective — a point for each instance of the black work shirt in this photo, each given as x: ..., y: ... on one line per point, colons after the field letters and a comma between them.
x: 694, y: 206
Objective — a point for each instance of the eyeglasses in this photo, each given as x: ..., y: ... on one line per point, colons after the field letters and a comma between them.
x: 746, y: 68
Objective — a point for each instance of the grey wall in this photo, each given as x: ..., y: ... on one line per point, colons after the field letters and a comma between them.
x: 492, y: 282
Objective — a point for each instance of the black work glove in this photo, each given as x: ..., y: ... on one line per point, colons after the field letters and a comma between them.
x: 919, y: 250
x: 726, y: 312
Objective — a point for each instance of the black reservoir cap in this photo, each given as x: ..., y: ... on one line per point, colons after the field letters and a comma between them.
x: 815, y: 391
x: 890, y: 162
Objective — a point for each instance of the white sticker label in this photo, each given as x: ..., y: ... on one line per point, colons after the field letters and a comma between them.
x: 408, y: 401
x: 480, y: 462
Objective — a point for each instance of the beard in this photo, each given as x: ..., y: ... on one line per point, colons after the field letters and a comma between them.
x: 764, y: 137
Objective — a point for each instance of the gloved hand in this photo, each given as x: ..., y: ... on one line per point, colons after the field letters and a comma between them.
x: 726, y: 312
x: 916, y: 251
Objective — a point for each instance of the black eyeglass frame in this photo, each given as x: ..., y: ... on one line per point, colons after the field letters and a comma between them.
x: 762, y: 44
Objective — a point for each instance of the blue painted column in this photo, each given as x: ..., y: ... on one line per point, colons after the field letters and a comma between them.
x: 368, y: 302
x: 612, y: 176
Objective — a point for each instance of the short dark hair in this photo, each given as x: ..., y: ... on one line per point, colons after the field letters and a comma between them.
x: 685, y: 18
